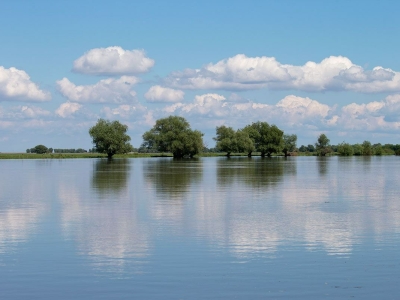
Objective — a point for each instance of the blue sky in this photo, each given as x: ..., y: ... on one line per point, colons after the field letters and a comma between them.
x: 309, y: 67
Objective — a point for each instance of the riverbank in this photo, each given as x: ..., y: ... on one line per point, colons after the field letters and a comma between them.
x: 128, y: 155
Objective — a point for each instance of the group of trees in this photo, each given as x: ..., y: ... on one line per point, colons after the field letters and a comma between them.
x: 323, y: 147
x: 79, y: 150
x: 173, y: 134
x: 39, y: 149
x: 42, y: 149
x: 260, y: 136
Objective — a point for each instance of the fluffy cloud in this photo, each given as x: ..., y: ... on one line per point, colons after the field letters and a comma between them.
x: 374, y: 116
x: 23, y: 112
x: 67, y: 109
x: 16, y: 85
x: 105, y: 91
x: 290, y: 111
x: 113, y: 61
x: 123, y: 111
x: 245, y: 73
x: 161, y: 94
x: 207, y: 104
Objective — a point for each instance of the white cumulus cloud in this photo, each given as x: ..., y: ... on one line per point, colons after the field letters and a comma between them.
x: 158, y: 93
x: 67, y: 109
x: 105, y: 91
x: 246, y: 73
x: 16, y: 85
x: 373, y: 116
x: 113, y: 61
x: 123, y: 111
x: 290, y: 111
x: 207, y: 104
x: 23, y: 112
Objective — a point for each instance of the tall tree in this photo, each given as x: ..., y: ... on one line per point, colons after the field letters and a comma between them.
x: 243, y: 142
x: 40, y: 149
x: 289, y: 143
x: 323, y: 145
x: 173, y: 134
x: 226, y: 140
x: 110, y: 137
x: 367, y: 148
x: 229, y: 140
x: 267, y: 139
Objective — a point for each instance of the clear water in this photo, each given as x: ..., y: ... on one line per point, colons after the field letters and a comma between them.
x: 213, y: 228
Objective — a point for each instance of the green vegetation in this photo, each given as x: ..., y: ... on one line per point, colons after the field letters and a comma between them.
x: 367, y: 148
x: 267, y: 139
x: 322, y: 145
x: 229, y: 140
x: 110, y: 137
x: 40, y: 149
x: 79, y: 150
x: 259, y: 136
x: 77, y: 155
x: 289, y: 143
x: 345, y: 149
x: 174, y: 135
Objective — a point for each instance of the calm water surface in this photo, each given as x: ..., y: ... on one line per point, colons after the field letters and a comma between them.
x: 212, y: 228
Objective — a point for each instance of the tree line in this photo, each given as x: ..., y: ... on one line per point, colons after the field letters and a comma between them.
x: 346, y: 149
x: 41, y: 149
x: 174, y: 135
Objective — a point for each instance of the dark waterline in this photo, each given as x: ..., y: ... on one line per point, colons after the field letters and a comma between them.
x: 211, y: 228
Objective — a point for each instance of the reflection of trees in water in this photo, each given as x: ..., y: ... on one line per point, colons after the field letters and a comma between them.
x: 173, y: 177
x: 323, y: 164
x: 366, y: 163
x: 111, y: 233
x: 110, y: 175
x: 257, y: 172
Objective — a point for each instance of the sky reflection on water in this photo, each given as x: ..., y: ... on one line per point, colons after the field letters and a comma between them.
x: 128, y: 217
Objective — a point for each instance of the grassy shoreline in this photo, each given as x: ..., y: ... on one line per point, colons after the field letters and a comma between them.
x: 76, y: 155
x: 129, y: 155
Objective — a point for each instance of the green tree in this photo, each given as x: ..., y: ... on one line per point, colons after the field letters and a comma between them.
x: 229, y: 140
x: 303, y: 148
x: 267, y: 139
x: 367, y: 148
x: 39, y: 149
x: 243, y: 142
x: 357, y: 149
x: 289, y: 143
x: 310, y: 148
x: 110, y: 137
x: 345, y: 149
x: 323, y: 145
x: 378, y: 150
x: 173, y: 134
x: 226, y: 139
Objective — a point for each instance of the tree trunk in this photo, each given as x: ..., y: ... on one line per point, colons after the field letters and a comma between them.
x: 109, y: 156
x: 262, y: 154
x: 249, y: 154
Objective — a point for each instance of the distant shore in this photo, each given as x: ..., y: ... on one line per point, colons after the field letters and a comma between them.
x: 128, y: 155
